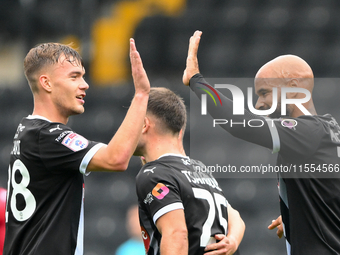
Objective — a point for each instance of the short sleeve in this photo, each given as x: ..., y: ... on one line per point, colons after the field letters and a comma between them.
x: 158, y: 190
x: 64, y: 150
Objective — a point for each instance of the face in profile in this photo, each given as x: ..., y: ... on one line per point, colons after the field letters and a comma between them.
x: 264, y: 88
x: 68, y: 86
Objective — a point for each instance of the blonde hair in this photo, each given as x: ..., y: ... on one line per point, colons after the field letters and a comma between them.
x: 47, y: 54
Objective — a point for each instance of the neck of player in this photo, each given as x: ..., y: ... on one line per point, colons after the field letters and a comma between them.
x: 160, y: 145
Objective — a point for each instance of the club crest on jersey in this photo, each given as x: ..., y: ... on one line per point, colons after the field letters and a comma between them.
x: 75, y: 142
x: 148, y: 199
x: 160, y: 191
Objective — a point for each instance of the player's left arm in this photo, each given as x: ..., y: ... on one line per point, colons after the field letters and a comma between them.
x: 228, y: 245
x: 174, y: 233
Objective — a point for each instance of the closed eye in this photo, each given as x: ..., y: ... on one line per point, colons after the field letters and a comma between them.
x: 75, y: 75
x: 262, y: 92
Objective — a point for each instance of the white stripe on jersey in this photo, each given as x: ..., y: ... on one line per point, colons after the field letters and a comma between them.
x: 288, y: 248
x: 80, y: 237
x: 166, y: 209
x: 283, y: 191
x: 89, y: 155
x: 275, y: 136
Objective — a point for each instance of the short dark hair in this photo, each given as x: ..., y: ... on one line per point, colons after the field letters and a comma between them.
x: 169, y: 108
x: 47, y: 54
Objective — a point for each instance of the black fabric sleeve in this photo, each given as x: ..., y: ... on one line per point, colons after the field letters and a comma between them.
x: 158, y: 189
x: 258, y: 135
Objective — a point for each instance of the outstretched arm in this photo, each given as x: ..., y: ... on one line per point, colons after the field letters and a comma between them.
x: 192, y: 77
x: 116, y: 155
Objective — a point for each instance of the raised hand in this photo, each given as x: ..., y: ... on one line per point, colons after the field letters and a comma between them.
x: 192, y: 61
x: 140, y: 79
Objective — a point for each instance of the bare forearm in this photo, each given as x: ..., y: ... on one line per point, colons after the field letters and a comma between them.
x: 123, y: 144
x: 236, y: 227
x: 116, y: 155
x: 174, y: 244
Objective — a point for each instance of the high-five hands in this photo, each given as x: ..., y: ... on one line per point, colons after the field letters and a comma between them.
x: 192, y: 61
x: 140, y: 79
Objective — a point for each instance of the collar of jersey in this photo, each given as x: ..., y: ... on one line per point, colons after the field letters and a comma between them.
x: 32, y: 117
x: 174, y: 155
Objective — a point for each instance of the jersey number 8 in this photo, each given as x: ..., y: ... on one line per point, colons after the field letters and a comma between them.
x: 20, y: 189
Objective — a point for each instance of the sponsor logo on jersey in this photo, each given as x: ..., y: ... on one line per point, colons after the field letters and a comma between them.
x: 149, y: 170
x: 75, y: 142
x: 16, y: 147
x: 19, y: 129
x: 160, y: 191
x: 54, y: 129
x: 62, y: 135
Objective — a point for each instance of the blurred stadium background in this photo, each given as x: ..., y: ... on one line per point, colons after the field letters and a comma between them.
x: 239, y: 36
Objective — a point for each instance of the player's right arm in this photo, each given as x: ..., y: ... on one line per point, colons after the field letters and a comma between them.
x: 174, y: 233
x: 191, y: 76
x: 192, y: 61
x: 116, y: 155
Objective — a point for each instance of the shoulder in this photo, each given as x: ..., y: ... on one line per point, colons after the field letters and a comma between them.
x: 152, y: 170
x: 166, y: 170
x: 300, y: 126
x: 42, y: 126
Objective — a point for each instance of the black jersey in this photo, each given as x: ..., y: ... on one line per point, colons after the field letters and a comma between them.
x: 46, y: 189
x: 310, y: 207
x: 310, y: 146
x: 177, y: 182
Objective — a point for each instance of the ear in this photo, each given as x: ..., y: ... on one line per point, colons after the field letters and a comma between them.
x: 180, y: 135
x: 293, y: 83
x: 45, y: 83
x: 180, y: 141
x: 146, y: 125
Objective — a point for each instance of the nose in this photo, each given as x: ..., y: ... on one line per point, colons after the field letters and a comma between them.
x: 259, y: 104
x: 84, y: 85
